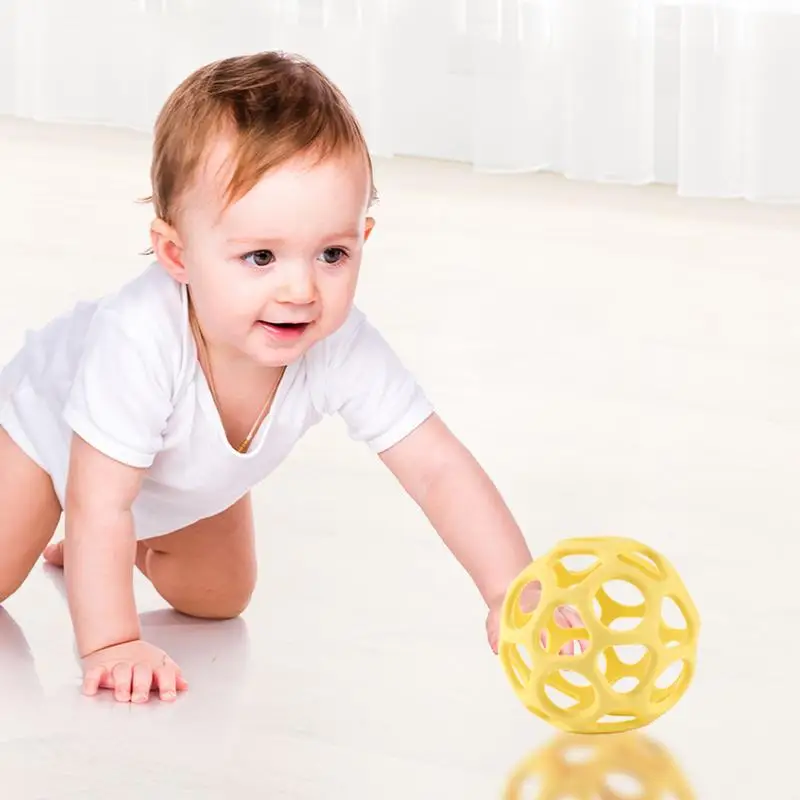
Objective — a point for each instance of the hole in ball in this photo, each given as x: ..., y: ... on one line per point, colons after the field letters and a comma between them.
x: 570, y: 570
x: 579, y: 562
x: 624, y: 593
x: 625, y: 623
x: 614, y: 719
x: 672, y: 614
x: 575, y: 678
x: 558, y: 698
x: 624, y: 786
x: 625, y: 685
x: 630, y: 654
x: 602, y: 664
x: 670, y: 676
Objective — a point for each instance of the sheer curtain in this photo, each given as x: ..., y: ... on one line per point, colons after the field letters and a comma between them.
x: 702, y: 94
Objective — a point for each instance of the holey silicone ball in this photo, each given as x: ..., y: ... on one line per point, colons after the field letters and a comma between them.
x: 599, y: 635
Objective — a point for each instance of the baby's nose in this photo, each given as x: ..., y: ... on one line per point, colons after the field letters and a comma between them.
x: 298, y: 285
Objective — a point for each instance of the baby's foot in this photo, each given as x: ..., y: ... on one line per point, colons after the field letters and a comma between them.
x: 54, y: 554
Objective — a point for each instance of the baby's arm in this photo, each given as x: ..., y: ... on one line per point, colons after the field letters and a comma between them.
x: 380, y: 401
x: 464, y: 507
x: 100, y: 548
x: 99, y: 558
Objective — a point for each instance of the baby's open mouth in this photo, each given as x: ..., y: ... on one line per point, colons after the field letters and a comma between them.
x: 284, y: 330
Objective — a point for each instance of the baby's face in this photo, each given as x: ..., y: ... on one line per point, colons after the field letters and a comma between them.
x: 276, y: 271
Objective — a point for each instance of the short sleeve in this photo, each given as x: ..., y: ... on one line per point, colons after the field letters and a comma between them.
x: 120, y: 399
x: 366, y: 383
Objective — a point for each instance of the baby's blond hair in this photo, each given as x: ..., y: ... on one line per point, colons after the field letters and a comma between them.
x: 275, y: 105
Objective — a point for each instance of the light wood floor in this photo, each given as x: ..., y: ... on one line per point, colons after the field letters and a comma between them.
x: 621, y: 360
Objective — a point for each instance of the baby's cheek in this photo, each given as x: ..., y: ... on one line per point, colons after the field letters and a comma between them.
x: 338, y: 296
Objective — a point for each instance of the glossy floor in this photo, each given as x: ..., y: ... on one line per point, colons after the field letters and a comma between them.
x: 622, y: 362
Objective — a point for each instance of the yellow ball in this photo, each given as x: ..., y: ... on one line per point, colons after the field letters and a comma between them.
x: 599, y: 635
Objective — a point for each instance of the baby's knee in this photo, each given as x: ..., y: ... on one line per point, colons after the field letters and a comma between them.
x: 198, y: 591
x: 225, y: 603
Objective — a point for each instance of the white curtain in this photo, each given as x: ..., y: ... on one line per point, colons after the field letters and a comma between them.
x: 702, y: 94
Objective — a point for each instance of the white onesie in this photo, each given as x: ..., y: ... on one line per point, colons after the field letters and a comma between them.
x: 122, y: 372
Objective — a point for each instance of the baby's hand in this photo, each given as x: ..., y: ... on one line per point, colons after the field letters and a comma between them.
x: 565, y: 617
x: 132, y: 670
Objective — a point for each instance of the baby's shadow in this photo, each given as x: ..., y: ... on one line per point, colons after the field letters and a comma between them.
x: 19, y: 681
x: 213, y: 657
x: 208, y: 651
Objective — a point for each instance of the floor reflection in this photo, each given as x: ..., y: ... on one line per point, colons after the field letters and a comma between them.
x: 626, y: 766
x: 18, y: 675
x: 212, y: 653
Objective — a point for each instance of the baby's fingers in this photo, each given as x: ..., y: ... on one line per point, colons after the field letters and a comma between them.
x: 574, y: 617
x: 574, y: 620
x: 169, y: 681
x: 142, y: 683
x: 568, y: 617
x: 122, y: 676
x: 92, y: 680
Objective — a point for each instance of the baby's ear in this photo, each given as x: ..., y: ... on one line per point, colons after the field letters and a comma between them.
x: 168, y: 249
x: 370, y: 224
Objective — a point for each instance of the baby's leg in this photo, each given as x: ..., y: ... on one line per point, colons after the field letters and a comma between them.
x: 207, y: 569
x: 29, y: 514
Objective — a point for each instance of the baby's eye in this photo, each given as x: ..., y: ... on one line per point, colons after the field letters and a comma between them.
x: 260, y: 258
x: 333, y: 255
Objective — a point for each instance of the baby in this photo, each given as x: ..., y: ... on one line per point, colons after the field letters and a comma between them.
x: 148, y: 416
